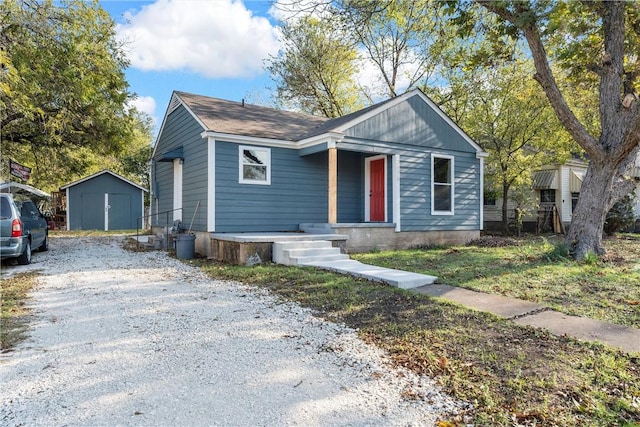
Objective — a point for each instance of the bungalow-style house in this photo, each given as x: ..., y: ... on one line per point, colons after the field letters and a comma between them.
x: 394, y: 175
x: 555, y: 191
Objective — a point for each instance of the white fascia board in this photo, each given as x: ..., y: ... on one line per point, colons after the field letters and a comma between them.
x: 250, y: 140
x: 330, y: 137
x: 482, y: 155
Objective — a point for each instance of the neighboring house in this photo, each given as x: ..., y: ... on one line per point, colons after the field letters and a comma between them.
x: 553, y: 185
x: 396, y: 174
x: 103, y: 201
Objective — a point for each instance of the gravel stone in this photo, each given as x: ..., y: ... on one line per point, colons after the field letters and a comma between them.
x: 140, y: 338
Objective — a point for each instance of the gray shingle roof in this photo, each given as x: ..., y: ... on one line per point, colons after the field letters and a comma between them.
x: 230, y: 117
x: 220, y: 115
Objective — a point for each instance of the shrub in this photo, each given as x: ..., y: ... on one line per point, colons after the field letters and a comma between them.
x: 621, y: 215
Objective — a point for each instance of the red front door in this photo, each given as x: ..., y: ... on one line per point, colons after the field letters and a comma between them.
x: 376, y: 196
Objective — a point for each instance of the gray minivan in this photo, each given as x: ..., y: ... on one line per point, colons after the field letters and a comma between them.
x: 22, y: 229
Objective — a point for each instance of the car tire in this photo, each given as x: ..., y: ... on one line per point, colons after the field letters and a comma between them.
x: 25, y: 258
x: 45, y: 245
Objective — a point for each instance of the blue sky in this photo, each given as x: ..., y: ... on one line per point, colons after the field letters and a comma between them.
x: 209, y: 47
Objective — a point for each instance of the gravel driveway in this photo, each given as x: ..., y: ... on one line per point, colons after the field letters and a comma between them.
x: 122, y: 338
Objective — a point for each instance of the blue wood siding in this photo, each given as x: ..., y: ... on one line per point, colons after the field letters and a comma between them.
x: 350, y: 186
x: 415, y: 185
x: 299, y: 178
x: 415, y: 189
x: 297, y: 194
x: 86, y: 204
x: 182, y: 130
x: 412, y: 123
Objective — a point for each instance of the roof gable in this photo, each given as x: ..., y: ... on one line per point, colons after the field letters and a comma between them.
x: 106, y: 171
x: 411, y: 118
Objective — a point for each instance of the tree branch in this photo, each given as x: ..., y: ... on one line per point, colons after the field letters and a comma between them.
x: 544, y: 75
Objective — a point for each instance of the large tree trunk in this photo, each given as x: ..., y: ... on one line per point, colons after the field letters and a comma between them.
x: 585, y: 232
x: 505, y: 210
x: 620, y: 123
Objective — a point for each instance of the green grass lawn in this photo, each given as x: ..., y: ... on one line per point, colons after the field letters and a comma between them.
x: 513, y: 375
x: 533, y: 269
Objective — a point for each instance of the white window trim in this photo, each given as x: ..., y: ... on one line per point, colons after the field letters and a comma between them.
x: 453, y: 184
x: 241, y: 178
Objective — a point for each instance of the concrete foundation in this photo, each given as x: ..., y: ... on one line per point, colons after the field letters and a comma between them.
x: 241, y: 253
x: 367, y: 237
x: 257, y: 248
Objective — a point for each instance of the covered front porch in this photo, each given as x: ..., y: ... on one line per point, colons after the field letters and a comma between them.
x: 363, y: 184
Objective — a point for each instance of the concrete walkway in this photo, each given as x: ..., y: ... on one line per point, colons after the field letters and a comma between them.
x: 398, y: 278
x: 522, y: 312
x: 540, y: 316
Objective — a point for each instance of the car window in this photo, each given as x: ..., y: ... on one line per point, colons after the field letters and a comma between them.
x: 5, y: 208
x: 25, y: 209
x: 28, y: 209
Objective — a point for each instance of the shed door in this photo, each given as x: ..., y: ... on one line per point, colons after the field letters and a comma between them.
x: 119, y: 212
x: 376, y: 190
x: 92, y: 211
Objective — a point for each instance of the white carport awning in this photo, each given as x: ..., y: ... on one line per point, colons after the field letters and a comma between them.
x: 17, y: 188
x: 575, y: 181
x: 545, y: 180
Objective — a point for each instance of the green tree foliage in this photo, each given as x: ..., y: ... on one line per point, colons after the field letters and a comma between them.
x: 506, y: 113
x: 314, y: 71
x: 597, y: 44
x: 401, y: 39
x: 63, y: 105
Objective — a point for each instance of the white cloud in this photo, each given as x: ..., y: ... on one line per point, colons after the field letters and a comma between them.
x: 146, y: 104
x: 218, y: 38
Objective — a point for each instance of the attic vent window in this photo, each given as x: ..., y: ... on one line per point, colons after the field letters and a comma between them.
x: 175, y: 103
x: 255, y: 165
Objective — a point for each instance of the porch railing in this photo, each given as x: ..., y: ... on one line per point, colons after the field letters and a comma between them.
x: 142, y: 220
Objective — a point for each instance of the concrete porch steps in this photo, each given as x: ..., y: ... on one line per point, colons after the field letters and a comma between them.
x: 321, y: 254
x: 307, y: 251
x: 153, y: 241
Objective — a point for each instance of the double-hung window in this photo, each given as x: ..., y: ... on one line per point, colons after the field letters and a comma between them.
x: 255, y: 165
x: 442, y: 184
